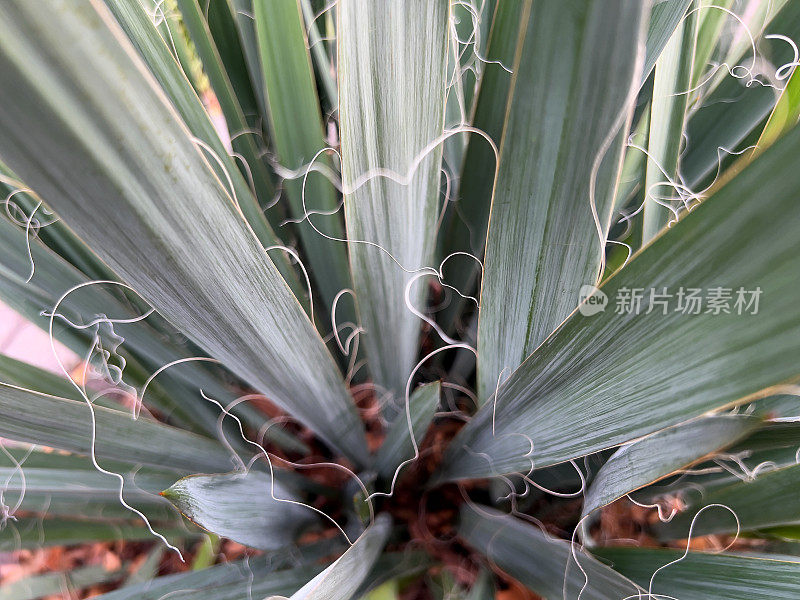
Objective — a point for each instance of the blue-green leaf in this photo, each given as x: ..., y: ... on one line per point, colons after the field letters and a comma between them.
x: 542, y: 563
x: 704, y: 575
x: 253, y: 508
x: 102, y: 147
x: 570, y: 94
x: 391, y: 108
x: 617, y: 374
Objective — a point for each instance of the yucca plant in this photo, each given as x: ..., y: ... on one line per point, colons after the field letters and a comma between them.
x: 422, y: 299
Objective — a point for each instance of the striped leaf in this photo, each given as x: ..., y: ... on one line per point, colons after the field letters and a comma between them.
x: 544, y: 564
x: 295, y: 124
x: 391, y: 107
x: 139, y: 27
x: 148, y: 345
x: 242, y: 140
x: 665, y: 18
x: 57, y: 583
x: 67, y: 424
x: 252, y: 508
x: 754, y: 503
x: 672, y: 80
x: 550, y: 212
x: 36, y: 533
x: 343, y: 577
x: 102, y: 147
x: 466, y: 229
x: 654, y: 457
x: 703, y: 575
x: 618, y: 374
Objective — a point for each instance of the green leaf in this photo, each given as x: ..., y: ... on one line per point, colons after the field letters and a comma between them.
x: 701, y: 575
x: 100, y: 145
x: 295, y: 123
x: 456, y: 112
x: 770, y: 500
x: 672, y: 80
x: 27, y: 376
x: 542, y: 563
x: 785, y: 115
x: 391, y: 105
x: 324, y: 67
x: 466, y: 230
x: 60, y: 485
x: 245, y: 22
x: 54, y: 234
x: 255, y: 576
x: 344, y: 576
x: 654, y: 457
x: 467, y: 227
x: 720, y: 123
x: 167, y: 20
x: 66, y: 485
x: 629, y: 188
x: 242, y: 141
x: 138, y: 25
x: 773, y: 436
x: 148, y: 345
x: 665, y: 18
x: 228, y: 583
x: 82, y: 483
x: 398, y: 446
x: 222, y: 25
x: 387, y: 591
x: 104, y: 510
x: 59, y: 583
x: 772, y: 446
x: 615, y: 377
x: 544, y: 241
x: 34, y: 533
x: 53, y: 275
x: 36, y: 418
x: 711, y: 22
x: 206, y: 554
x: 251, y: 508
